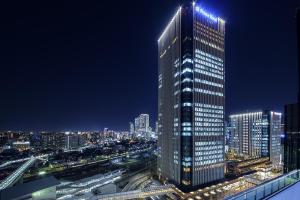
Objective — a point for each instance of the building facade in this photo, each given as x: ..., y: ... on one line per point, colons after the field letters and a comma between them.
x: 136, y: 124
x: 53, y: 141
x: 257, y: 134
x: 144, y: 123
x: 292, y: 121
x: 292, y: 138
x: 141, y: 126
x: 191, y: 98
x: 73, y: 140
x: 131, y: 128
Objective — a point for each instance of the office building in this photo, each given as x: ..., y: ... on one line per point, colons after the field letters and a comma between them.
x: 141, y: 126
x: 191, y: 97
x: 53, y: 141
x: 73, y: 140
x: 292, y: 121
x: 141, y: 123
x: 256, y: 134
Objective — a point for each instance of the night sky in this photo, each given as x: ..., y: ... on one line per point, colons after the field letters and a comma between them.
x: 86, y: 65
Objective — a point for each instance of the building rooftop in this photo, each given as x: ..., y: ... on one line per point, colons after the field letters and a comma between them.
x: 28, y: 188
x: 286, y: 186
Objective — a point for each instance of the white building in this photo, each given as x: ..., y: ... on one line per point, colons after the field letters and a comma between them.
x: 256, y: 134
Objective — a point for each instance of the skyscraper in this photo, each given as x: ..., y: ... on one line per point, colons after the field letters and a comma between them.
x: 141, y: 123
x: 292, y: 121
x: 131, y: 127
x: 191, y: 97
x: 72, y: 140
x: 144, y: 122
x: 136, y: 124
x: 257, y: 134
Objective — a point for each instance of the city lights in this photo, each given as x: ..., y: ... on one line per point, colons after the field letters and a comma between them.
x: 96, y: 107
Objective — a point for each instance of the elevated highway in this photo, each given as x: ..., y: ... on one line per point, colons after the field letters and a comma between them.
x: 17, y: 174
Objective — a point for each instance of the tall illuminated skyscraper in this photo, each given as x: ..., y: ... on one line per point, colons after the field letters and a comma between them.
x: 292, y: 121
x: 191, y: 98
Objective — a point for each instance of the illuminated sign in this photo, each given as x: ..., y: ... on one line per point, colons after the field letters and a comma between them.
x: 206, y: 14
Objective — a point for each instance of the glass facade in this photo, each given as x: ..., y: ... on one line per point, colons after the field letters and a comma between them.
x: 191, y: 98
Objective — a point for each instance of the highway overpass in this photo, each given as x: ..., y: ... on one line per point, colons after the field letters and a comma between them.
x: 17, y: 174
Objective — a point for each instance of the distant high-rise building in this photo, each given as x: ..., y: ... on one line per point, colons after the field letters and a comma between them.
x: 144, y: 122
x: 141, y: 123
x: 136, y: 123
x: 105, y: 132
x: 72, y: 140
x: 191, y: 98
x: 292, y: 121
x: 131, y: 127
x: 53, y: 141
x: 257, y: 134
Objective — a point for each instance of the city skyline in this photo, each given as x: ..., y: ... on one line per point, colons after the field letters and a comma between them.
x: 184, y: 99
x: 50, y: 87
